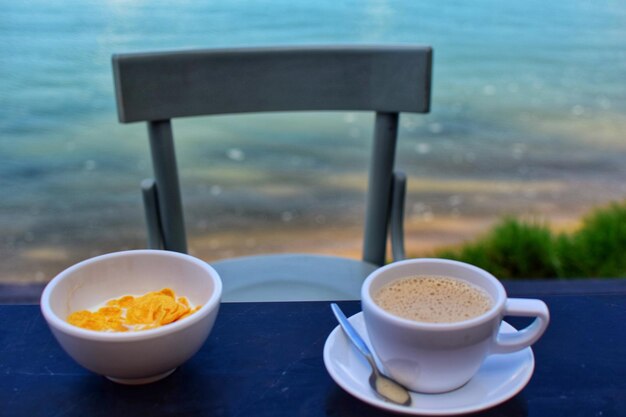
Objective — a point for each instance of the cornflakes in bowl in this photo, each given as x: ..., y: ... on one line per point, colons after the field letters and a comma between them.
x: 130, y: 313
x: 138, y: 335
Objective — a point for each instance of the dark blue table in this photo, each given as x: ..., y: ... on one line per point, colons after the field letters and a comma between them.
x: 265, y: 359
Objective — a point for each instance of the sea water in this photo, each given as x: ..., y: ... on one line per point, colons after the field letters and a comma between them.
x: 528, y: 116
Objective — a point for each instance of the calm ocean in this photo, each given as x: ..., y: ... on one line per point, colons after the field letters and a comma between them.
x: 528, y: 116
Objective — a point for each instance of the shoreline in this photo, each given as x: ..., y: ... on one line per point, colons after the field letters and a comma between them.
x: 423, y: 236
x: 438, y: 214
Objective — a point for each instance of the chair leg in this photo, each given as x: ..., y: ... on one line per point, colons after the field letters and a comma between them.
x: 166, y: 177
x: 151, y: 209
x: 396, y: 215
x: 379, y: 188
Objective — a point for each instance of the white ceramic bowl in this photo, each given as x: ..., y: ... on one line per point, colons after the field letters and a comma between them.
x: 133, y: 357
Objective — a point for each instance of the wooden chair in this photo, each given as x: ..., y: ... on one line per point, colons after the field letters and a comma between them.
x: 157, y: 87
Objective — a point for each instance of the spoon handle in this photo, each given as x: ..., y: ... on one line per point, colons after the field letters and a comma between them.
x: 351, y: 332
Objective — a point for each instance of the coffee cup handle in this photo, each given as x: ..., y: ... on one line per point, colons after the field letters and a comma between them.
x: 522, y: 307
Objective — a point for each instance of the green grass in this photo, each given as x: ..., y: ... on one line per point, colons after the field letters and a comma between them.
x: 523, y: 249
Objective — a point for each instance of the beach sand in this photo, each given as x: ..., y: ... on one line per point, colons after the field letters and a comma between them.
x: 439, y: 214
x: 422, y: 238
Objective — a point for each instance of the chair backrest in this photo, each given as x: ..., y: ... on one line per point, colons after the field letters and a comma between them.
x: 156, y: 87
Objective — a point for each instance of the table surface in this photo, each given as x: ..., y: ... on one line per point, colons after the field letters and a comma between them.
x: 265, y: 359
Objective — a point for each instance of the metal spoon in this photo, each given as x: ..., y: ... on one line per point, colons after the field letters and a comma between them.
x: 385, y: 387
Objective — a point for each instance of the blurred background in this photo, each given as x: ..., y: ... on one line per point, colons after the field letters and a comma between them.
x: 527, y: 122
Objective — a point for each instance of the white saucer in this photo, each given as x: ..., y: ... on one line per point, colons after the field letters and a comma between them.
x: 498, y: 379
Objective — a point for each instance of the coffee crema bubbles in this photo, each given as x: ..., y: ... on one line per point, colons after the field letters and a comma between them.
x: 433, y: 299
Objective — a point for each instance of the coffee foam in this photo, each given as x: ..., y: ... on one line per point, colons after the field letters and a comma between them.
x: 433, y: 299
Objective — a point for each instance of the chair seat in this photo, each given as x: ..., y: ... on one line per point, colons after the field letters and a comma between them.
x: 292, y: 277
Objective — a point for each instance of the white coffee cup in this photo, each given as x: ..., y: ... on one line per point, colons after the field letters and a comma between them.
x: 440, y: 357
